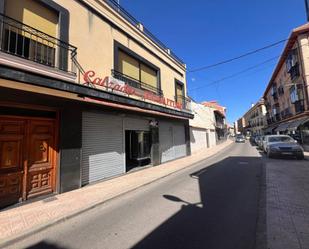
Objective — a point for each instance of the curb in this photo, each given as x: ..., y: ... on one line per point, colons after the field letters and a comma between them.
x: 39, y: 228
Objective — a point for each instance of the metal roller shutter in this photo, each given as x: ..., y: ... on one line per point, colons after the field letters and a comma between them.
x: 198, y: 139
x: 102, y: 147
x: 179, y: 140
x: 136, y: 124
x: 172, y: 141
x: 166, y: 141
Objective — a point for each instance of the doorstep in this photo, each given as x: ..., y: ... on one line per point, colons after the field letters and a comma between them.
x: 22, y: 221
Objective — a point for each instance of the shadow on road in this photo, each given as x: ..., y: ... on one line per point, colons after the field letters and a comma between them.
x: 227, y: 215
x: 46, y: 245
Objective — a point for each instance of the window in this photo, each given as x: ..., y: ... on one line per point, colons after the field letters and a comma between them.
x: 291, y: 60
x: 128, y: 66
x: 179, y: 92
x: 296, y: 94
x: 138, y: 70
x: 24, y: 42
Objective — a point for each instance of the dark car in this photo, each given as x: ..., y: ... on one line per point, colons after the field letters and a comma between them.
x: 283, y: 145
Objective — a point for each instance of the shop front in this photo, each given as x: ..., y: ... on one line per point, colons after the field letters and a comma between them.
x: 113, y: 144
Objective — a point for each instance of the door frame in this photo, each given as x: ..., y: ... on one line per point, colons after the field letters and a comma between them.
x: 56, y: 120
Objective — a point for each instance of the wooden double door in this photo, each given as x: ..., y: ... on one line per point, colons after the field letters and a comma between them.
x: 27, y: 158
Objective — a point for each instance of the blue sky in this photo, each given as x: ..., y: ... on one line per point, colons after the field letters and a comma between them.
x: 204, y: 32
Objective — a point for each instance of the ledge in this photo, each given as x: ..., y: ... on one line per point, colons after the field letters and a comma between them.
x: 85, y: 91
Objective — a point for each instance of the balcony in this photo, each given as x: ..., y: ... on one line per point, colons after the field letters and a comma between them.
x: 299, y: 106
x: 186, y: 102
x: 275, y: 96
x: 33, y: 49
x: 136, y: 83
x: 294, y: 72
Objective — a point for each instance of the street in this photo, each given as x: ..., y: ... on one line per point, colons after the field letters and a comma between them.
x: 217, y: 203
x: 213, y: 204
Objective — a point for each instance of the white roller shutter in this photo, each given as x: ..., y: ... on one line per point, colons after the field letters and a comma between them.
x: 198, y: 139
x: 102, y: 147
x: 137, y: 124
x: 172, y: 141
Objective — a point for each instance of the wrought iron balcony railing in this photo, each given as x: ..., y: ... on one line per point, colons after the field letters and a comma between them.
x: 186, y: 102
x: 294, y: 71
x: 135, y: 83
x: 21, y: 40
x: 299, y: 106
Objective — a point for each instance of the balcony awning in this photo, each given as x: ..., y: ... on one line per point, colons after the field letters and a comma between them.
x: 296, y: 123
x: 283, y: 126
x: 269, y: 129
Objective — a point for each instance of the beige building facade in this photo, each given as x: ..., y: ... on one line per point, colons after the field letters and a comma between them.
x: 286, y: 96
x: 87, y: 93
x: 255, y: 119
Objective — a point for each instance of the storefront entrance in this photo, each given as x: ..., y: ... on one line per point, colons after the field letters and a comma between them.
x: 138, y: 145
x: 27, y: 158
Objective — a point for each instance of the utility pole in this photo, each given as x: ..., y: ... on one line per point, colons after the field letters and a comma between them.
x: 307, y: 9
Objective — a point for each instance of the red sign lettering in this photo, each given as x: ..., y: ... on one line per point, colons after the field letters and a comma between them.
x: 120, y: 86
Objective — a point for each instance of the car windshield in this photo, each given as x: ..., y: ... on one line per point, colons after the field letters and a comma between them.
x: 240, y: 136
x: 280, y: 139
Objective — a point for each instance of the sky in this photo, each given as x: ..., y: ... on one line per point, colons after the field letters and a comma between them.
x: 204, y: 32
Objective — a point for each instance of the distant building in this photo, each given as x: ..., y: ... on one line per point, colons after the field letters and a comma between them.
x: 255, y: 119
x: 202, y: 127
x: 220, y: 119
x: 241, y: 125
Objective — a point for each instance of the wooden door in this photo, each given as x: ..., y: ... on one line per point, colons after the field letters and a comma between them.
x: 12, y: 145
x: 41, y: 158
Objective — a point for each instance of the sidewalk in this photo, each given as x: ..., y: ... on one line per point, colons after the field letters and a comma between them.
x: 286, y: 204
x: 30, y: 218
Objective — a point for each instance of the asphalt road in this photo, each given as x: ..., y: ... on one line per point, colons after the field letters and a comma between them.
x: 212, y: 205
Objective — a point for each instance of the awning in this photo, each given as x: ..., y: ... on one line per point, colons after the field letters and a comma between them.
x: 269, y: 129
x: 294, y: 124
x: 283, y: 127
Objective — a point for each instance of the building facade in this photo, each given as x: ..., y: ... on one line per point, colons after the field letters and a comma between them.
x: 241, y: 124
x: 255, y: 119
x: 220, y: 119
x: 202, y: 127
x: 87, y: 93
x: 286, y: 96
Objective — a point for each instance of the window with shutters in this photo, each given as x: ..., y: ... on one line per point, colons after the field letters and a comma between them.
x: 179, y: 89
x: 136, y: 72
x: 21, y: 41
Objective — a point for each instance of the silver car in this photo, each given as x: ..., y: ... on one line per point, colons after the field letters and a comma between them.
x: 240, y: 139
x: 282, y: 145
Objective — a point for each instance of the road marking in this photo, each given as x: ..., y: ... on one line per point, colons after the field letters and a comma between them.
x: 243, y: 163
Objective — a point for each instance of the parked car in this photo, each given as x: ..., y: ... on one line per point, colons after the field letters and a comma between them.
x: 257, y: 140
x: 240, y: 139
x: 282, y: 145
x: 252, y: 139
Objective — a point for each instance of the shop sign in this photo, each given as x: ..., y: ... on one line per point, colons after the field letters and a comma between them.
x: 111, y: 84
